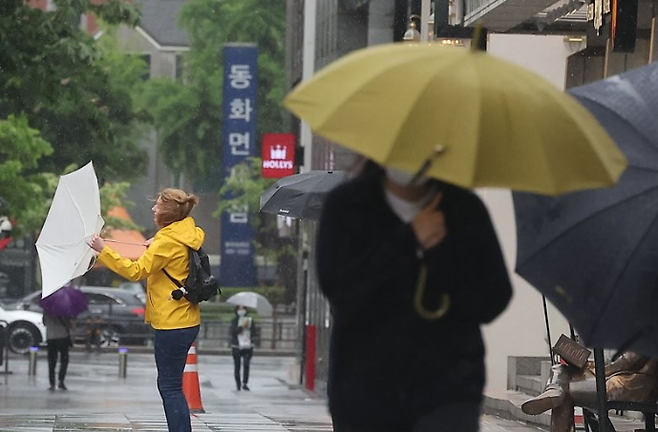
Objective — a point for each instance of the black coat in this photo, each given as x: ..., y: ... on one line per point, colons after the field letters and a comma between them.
x: 388, y: 366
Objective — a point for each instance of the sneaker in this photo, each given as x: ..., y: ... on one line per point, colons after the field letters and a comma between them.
x: 244, y: 387
x: 62, y: 386
x: 51, y: 388
x: 551, y: 398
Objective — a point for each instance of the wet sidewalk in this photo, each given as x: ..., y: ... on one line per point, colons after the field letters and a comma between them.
x: 99, y: 400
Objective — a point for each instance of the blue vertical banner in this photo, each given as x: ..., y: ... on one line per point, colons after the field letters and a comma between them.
x: 237, y: 267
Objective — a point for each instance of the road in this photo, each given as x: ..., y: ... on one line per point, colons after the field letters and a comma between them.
x: 99, y: 400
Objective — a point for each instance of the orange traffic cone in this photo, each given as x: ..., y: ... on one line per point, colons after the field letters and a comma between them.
x: 191, y: 382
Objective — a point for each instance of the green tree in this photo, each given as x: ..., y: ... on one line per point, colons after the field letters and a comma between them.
x: 69, y: 86
x: 65, y: 99
x: 23, y: 190
x: 188, y: 114
x: 28, y: 194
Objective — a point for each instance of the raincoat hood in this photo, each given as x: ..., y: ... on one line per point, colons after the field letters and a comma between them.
x: 185, y: 232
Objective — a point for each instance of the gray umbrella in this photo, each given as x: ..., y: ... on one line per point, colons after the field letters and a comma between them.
x: 594, y: 254
x: 300, y: 196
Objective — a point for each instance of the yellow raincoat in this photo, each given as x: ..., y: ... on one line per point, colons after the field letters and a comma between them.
x: 167, y: 251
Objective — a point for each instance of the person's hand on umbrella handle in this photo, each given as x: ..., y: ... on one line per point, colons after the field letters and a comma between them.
x: 97, y: 243
x: 148, y: 242
x: 429, y: 224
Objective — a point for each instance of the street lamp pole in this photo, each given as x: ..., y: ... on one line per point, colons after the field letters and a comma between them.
x: 308, y: 69
x: 425, y: 11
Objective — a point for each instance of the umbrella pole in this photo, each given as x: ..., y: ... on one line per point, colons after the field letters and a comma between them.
x: 572, y: 332
x: 601, y: 394
x: 548, y: 331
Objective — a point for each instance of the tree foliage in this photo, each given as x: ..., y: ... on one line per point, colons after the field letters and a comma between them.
x: 65, y: 99
x: 28, y: 194
x: 66, y: 84
x: 113, y: 194
x: 188, y: 113
x: 21, y: 187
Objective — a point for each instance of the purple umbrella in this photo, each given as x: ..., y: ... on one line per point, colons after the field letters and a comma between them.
x: 66, y: 302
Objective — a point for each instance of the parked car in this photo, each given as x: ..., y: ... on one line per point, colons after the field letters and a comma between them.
x: 135, y: 287
x: 118, y: 312
x: 24, y: 329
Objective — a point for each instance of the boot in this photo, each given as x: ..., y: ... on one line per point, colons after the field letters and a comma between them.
x: 553, y: 394
x: 640, y: 386
x: 562, y: 417
x: 628, y: 362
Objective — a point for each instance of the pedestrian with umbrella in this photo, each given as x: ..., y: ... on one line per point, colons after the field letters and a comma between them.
x: 411, y: 270
x: 59, y: 312
x: 243, y: 337
x: 176, y: 321
x: 58, y: 340
x: 412, y: 266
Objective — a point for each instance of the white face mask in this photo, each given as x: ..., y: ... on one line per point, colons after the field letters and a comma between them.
x: 403, y: 178
x: 242, y: 312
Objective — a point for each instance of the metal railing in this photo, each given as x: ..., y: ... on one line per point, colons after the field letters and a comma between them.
x: 276, y: 336
x: 279, y: 335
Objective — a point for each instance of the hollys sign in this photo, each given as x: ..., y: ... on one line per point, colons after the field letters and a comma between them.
x: 278, y: 155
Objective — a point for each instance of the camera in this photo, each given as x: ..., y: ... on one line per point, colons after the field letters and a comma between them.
x: 178, y: 294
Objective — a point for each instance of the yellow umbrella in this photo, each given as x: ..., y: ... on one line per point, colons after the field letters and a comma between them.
x: 470, y: 118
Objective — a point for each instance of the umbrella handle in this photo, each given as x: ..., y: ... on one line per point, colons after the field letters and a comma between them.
x: 437, y: 151
x: 418, y: 299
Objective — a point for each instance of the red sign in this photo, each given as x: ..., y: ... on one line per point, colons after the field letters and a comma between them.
x: 278, y: 155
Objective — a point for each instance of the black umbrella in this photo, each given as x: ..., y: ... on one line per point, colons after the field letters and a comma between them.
x: 300, y: 196
x: 594, y: 254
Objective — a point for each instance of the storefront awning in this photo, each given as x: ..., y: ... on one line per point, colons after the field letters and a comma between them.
x: 502, y: 15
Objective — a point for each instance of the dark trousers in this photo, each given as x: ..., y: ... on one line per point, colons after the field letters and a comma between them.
x: 457, y: 417
x: 171, y: 348
x: 58, y: 346
x: 241, y: 356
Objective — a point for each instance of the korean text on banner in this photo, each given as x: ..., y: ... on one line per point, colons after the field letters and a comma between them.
x: 238, y: 143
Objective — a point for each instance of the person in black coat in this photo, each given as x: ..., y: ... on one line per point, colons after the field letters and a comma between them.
x: 243, y: 337
x: 411, y: 271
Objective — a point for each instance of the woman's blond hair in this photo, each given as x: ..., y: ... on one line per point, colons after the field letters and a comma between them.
x: 174, y: 205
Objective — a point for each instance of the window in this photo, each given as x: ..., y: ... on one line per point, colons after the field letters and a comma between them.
x: 147, y: 73
x: 101, y: 299
x: 178, y: 67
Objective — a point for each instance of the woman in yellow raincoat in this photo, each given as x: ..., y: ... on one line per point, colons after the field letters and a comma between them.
x: 176, y: 322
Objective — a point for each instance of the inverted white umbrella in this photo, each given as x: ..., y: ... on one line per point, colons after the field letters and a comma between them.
x: 74, y: 216
x: 252, y: 300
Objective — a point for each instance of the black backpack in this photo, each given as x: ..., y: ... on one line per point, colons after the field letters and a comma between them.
x: 200, y: 284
